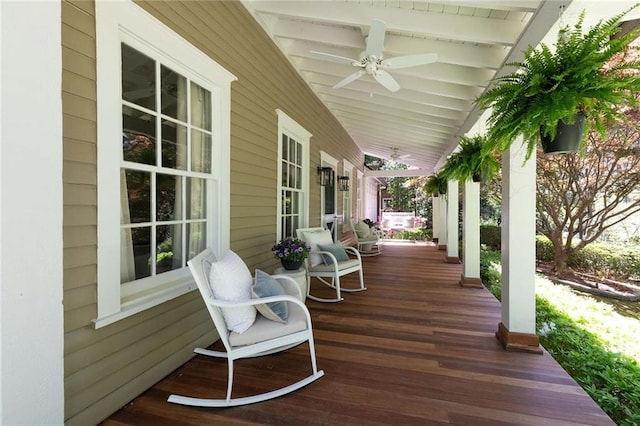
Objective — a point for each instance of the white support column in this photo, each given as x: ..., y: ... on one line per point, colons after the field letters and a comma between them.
x: 517, y: 331
x: 453, y: 222
x: 31, y: 261
x: 471, y: 235
x: 435, y: 217
x: 442, y: 234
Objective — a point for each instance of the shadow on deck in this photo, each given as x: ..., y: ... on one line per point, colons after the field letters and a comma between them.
x: 415, y: 348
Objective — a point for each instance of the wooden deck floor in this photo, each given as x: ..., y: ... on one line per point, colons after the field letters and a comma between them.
x: 415, y: 348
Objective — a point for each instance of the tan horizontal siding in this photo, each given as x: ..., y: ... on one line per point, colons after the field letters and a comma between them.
x: 84, y: 195
x: 78, y: 106
x: 78, y: 277
x: 79, y: 151
x: 114, y: 350
x: 78, y: 85
x: 78, y: 128
x: 81, y: 236
x: 76, y: 318
x: 79, y: 63
x: 75, y: 215
x: 79, y: 40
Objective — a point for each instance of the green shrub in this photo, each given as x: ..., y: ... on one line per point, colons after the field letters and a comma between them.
x: 601, y: 258
x: 418, y: 234
x: 544, y: 249
x: 490, y: 236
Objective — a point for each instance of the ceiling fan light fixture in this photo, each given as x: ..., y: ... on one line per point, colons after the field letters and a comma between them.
x: 371, y: 60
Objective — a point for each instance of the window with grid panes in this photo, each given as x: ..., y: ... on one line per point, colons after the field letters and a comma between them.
x: 166, y: 166
x: 293, y: 176
x: 291, y: 164
x: 163, y: 160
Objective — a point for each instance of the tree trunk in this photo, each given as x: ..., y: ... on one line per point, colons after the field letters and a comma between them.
x: 560, y: 256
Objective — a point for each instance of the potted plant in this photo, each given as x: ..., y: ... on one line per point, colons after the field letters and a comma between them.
x: 291, y: 252
x: 585, y: 81
x: 436, y: 184
x: 471, y: 161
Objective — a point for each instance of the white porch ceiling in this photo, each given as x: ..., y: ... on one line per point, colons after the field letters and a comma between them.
x: 434, y: 106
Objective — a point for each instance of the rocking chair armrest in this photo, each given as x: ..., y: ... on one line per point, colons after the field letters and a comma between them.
x: 258, y: 301
x: 353, y: 251
x: 349, y: 250
x: 261, y: 300
x: 270, y: 299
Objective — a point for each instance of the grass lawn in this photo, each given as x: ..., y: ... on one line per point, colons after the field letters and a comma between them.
x: 617, y: 332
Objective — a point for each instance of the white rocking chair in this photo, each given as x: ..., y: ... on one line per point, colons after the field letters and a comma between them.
x: 367, y: 239
x: 323, y: 264
x: 264, y: 337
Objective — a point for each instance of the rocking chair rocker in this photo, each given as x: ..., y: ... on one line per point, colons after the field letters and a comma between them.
x: 263, y: 337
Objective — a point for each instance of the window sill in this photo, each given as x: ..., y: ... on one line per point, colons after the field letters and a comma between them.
x: 149, y: 300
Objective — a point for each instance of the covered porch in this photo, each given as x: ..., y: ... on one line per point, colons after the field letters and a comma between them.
x: 415, y: 348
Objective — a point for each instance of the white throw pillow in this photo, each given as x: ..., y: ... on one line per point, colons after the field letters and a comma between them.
x: 315, y: 238
x: 362, y: 229
x: 231, y: 281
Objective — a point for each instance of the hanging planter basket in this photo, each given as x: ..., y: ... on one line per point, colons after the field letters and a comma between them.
x: 568, y: 136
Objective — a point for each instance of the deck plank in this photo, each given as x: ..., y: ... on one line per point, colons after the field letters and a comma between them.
x: 415, y: 348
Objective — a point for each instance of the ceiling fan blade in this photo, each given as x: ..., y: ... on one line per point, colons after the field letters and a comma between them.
x: 375, y: 39
x: 332, y: 58
x: 409, y: 60
x: 353, y: 77
x: 386, y: 80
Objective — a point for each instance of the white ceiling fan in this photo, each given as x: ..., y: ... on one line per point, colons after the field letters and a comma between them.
x: 372, y: 61
x: 397, y: 157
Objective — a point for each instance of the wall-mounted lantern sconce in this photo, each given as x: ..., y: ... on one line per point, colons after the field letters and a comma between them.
x: 343, y: 183
x: 325, y: 176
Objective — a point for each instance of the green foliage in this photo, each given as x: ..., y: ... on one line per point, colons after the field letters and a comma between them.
x: 490, y: 271
x: 471, y: 161
x: 491, y: 203
x: 544, y: 249
x: 584, y: 73
x: 600, y: 258
x: 418, y: 234
x: 491, y: 236
x: 436, y: 184
x: 401, y: 194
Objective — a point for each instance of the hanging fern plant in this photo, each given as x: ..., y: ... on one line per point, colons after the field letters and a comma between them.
x: 436, y: 184
x: 585, y: 74
x: 471, y: 161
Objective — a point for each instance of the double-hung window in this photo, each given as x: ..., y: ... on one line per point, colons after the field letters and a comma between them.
x: 293, y: 176
x: 163, y: 160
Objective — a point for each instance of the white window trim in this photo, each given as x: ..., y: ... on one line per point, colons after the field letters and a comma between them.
x: 123, y: 19
x: 347, y: 197
x: 360, y: 191
x: 328, y: 160
x: 288, y: 126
